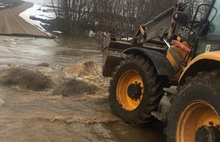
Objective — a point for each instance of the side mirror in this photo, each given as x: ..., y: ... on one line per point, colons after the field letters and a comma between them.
x: 181, y: 17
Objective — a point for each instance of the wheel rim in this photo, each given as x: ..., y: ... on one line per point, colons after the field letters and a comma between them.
x: 194, y: 116
x: 123, y: 94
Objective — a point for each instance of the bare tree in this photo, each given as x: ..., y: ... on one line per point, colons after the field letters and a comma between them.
x: 115, y: 16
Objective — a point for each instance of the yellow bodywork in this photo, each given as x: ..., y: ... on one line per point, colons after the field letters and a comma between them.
x: 185, y: 57
x: 191, y: 65
x: 211, y: 56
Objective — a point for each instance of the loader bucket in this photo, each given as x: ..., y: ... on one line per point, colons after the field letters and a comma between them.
x: 112, y: 54
x: 109, y: 63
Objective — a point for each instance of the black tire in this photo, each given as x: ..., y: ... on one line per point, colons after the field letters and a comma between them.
x: 195, y: 106
x: 152, y: 91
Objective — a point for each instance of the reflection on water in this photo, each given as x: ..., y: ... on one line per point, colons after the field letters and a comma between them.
x: 61, y: 51
x: 38, y: 116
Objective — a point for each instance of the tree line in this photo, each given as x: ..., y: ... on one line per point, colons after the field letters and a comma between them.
x: 121, y: 17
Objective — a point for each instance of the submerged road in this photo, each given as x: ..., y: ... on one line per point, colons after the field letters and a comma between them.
x: 42, y: 116
x: 11, y: 23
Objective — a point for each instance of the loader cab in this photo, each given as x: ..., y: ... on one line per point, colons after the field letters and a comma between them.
x: 198, y: 24
x: 209, y: 40
x: 193, y: 19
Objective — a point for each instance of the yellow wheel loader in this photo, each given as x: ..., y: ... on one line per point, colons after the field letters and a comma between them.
x: 170, y: 71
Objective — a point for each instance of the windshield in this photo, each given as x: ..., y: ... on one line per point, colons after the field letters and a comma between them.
x: 215, y: 28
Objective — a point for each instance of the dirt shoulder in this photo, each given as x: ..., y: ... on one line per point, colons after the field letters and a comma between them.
x: 12, y: 24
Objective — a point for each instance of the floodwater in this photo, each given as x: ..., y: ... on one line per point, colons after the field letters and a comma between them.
x: 27, y: 115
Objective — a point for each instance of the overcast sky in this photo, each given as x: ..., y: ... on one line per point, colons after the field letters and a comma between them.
x: 39, y: 1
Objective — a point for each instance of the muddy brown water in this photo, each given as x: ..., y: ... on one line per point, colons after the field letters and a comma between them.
x: 27, y: 115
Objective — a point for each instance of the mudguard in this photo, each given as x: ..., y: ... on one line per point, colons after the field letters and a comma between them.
x: 207, y: 61
x: 159, y: 60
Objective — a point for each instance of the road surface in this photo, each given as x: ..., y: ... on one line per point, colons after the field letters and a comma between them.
x: 12, y: 24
